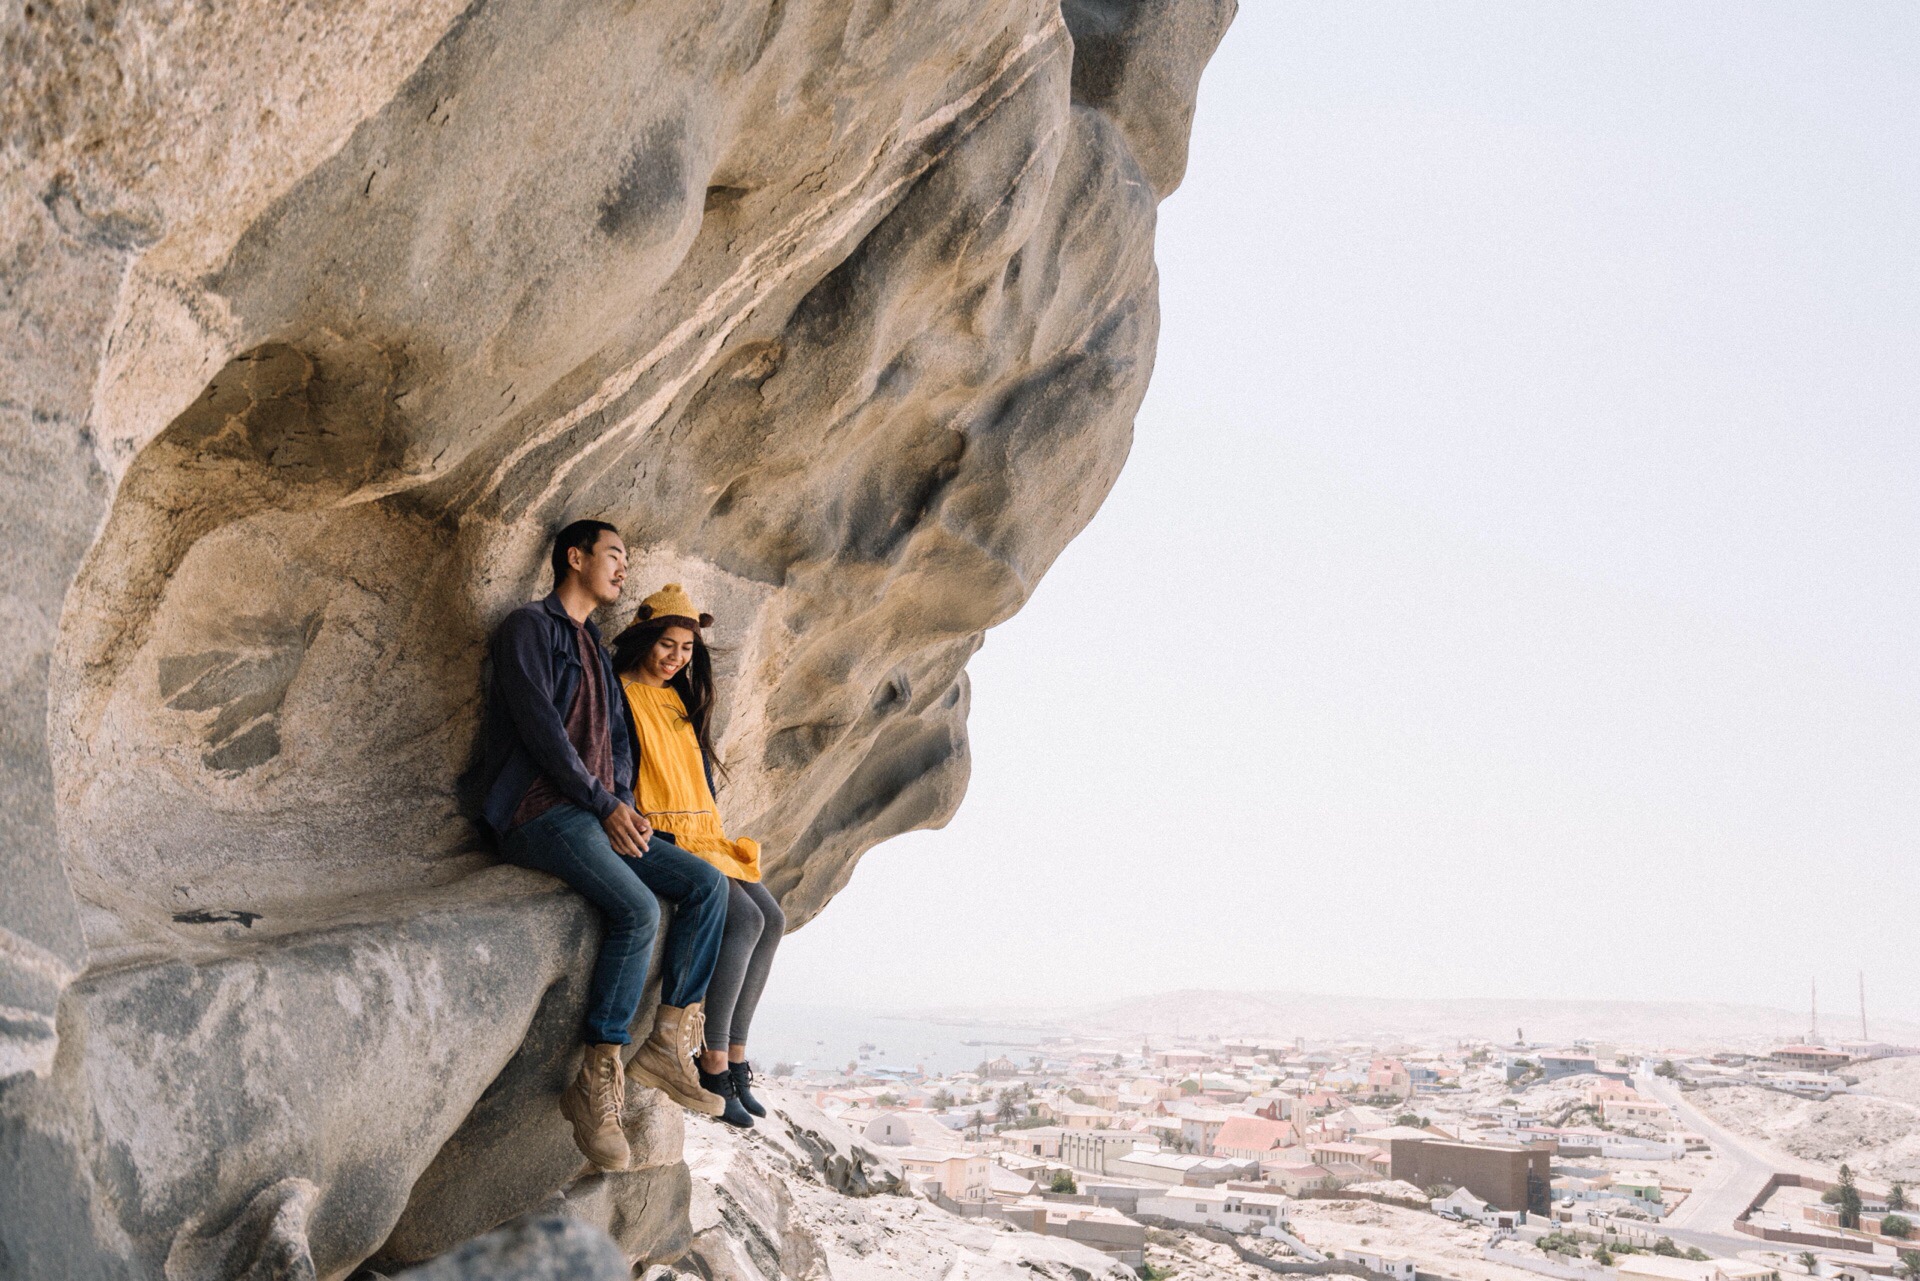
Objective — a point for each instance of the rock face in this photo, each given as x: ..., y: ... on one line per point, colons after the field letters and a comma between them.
x: 317, y: 323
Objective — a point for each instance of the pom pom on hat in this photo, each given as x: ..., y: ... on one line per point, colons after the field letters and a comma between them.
x: 672, y: 601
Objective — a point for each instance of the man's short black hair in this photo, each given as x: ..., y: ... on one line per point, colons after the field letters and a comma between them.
x: 582, y: 534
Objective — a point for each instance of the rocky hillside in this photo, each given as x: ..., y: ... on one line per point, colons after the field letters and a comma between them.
x: 1874, y: 1127
x: 318, y: 320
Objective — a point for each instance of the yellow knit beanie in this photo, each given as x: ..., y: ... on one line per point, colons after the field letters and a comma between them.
x: 672, y: 601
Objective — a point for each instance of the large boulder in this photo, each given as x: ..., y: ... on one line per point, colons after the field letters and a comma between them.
x: 317, y: 322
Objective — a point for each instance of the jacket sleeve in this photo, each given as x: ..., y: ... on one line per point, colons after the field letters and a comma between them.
x: 626, y: 745
x: 523, y: 667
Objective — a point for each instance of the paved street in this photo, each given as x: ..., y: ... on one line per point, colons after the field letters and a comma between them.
x: 1741, y: 1169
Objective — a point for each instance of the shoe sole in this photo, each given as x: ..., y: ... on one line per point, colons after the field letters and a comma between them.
x: 673, y: 1091
x: 580, y: 1142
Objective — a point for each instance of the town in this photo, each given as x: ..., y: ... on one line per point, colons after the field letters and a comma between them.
x: 1474, y: 1161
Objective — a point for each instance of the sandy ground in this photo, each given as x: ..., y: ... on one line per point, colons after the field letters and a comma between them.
x: 1875, y: 1129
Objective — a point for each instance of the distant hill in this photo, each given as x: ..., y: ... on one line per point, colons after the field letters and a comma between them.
x: 1285, y: 1015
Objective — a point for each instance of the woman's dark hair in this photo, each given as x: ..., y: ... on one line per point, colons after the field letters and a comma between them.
x: 584, y: 534
x: 694, y: 682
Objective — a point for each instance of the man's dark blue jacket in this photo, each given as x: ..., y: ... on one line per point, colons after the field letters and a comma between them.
x: 536, y: 669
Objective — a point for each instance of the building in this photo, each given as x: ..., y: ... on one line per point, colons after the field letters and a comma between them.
x: 908, y: 1129
x: 1811, y: 1058
x: 1181, y: 1060
x: 1040, y: 1141
x: 1389, y: 1077
x: 1081, y: 1116
x: 1397, y: 1266
x: 1237, y: 1212
x: 1568, y: 1063
x: 1199, y: 1126
x: 1274, y: 1105
x: 1362, y: 1158
x: 958, y: 1176
x: 1464, y: 1205
x: 1095, y: 1150
x: 1181, y: 1168
x: 1250, y: 1138
x: 1106, y: 1230
x: 1654, y: 1267
x: 1626, y: 1147
x: 1637, y: 1186
x: 1293, y: 1176
x: 1010, y: 1185
x: 1506, y: 1177
x: 1635, y: 1111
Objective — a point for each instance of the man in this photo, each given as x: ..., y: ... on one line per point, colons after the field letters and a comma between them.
x: 556, y: 772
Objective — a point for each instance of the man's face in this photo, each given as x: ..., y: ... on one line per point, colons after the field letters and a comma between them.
x: 603, y: 570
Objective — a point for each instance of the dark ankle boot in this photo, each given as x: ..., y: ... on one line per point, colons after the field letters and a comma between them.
x: 742, y: 1074
x: 721, y: 1083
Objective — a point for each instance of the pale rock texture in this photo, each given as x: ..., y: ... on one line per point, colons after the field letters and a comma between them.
x: 762, y: 1211
x: 317, y: 320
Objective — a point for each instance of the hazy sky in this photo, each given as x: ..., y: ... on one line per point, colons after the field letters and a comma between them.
x: 1513, y: 589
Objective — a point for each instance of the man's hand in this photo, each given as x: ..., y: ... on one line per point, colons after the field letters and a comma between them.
x: 627, y: 832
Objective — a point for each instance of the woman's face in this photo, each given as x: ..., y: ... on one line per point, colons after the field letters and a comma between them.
x: 673, y: 651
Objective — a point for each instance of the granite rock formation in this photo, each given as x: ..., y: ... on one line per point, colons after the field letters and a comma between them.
x: 317, y: 321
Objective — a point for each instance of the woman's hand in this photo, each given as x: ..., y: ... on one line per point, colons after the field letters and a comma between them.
x: 627, y: 831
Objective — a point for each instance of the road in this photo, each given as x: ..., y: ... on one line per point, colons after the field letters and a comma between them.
x: 1741, y: 1168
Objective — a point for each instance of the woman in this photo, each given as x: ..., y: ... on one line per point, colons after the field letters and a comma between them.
x: 667, y: 673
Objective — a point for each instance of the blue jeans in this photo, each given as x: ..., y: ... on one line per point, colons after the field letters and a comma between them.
x: 569, y: 843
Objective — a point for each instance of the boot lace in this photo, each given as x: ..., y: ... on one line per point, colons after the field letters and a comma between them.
x: 606, y: 1094
x: 694, y: 1029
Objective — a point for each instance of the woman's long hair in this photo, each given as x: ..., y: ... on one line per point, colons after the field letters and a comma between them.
x: 694, y: 682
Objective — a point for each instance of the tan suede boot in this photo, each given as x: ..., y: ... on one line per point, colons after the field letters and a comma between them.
x: 665, y: 1060
x: 593, y: 1103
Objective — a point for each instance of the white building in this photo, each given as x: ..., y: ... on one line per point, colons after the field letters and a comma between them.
x: 1238, y: 1212
x: 1397, y: 1266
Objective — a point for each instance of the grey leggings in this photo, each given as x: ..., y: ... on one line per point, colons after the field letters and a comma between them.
x: 754, y: 926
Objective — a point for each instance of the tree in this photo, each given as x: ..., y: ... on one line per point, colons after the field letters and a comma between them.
x: 1409, y: 1118
x: 1910, y: 1265
x: 1695, y: 1253
x: 1008, y: 1111
x: 1897, y: 1198
x: 943, y: 1098
x: 1063, y: 1182
x: 1603, y: 1257
x: 975, y: 1121
x: 1666, y: 1069
x: 1849, y: 1200
x: 1665, y: 1246
x: 1810, y: 1262
x: 1896, y: 1225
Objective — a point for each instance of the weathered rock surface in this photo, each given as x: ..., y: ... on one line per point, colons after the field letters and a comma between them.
x: 550, y: 1247
x: 762, y: 1211
x: 317, y: 321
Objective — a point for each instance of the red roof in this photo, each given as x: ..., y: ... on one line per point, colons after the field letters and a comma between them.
x: 1252, y: 1134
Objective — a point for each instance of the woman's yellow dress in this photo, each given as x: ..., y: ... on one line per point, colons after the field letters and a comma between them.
x: 672, y: 790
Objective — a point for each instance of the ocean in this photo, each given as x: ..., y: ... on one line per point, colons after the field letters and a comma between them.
x: 829, y: 1037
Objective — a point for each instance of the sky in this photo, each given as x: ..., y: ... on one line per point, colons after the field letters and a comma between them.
x: 1514, y: 589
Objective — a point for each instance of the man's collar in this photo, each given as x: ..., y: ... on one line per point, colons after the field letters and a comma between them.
x: 553, y: 606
